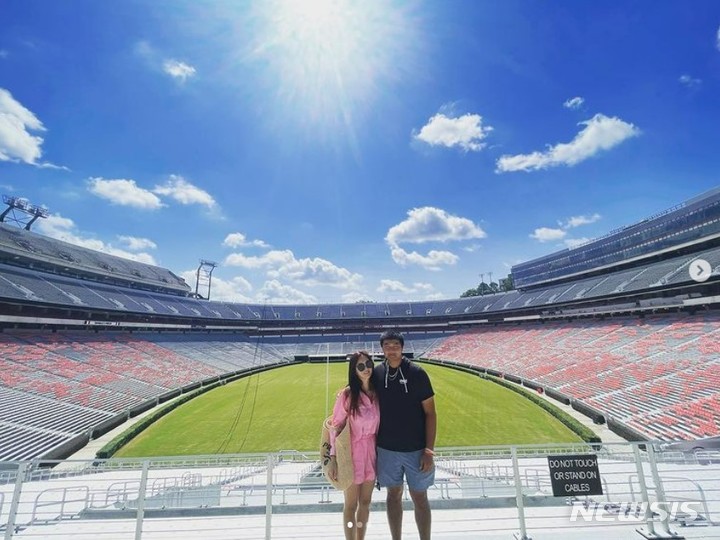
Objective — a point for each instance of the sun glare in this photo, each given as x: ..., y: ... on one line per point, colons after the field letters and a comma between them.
x: 326, y: 60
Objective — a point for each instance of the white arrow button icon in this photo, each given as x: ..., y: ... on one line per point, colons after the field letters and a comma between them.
x: 700, y: 270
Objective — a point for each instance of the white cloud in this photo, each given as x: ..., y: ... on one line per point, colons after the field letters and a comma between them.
x: 56, y: 226
x: 317, y: 271
x: 124, y: 192
x: 235, y: 240
x: 575, y: 242
x: 432, y: 261
x: 283, y: 264
x: 577, y: 221
x: 717, y: 39
x: 574, y: 103
x: 465, y: 131
x: 17, y: 143
x: 178, y: 70
x: 546, y: 234
x: 391, y: 285
x: 271, y: 259
x: 134, y: 243
x: 275, y: 292
x: 690, y: 82
x: 184, y: 192
x: 429, y: 224
x: 225, y: 290
x: 600, y: 133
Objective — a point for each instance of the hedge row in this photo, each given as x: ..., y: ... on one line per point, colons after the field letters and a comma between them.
x: 126, y: 436
x: 584, y: 432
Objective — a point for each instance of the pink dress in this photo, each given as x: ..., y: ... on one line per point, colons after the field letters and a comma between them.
x: 363, y: 431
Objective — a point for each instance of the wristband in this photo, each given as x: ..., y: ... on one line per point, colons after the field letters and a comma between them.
x: 429, y: 451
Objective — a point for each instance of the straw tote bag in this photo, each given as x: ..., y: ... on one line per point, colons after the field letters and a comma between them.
x: 343, y: 455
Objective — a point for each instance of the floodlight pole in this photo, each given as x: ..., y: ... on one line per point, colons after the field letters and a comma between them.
x: 205, y: 271
x: 18, y: 209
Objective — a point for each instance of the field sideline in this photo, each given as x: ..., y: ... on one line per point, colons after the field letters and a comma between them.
x: 283, y: 409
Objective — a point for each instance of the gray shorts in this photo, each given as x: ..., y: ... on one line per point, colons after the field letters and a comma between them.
x: 391, y: 466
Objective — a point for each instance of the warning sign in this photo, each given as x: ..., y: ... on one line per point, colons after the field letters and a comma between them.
x: 575, y: 475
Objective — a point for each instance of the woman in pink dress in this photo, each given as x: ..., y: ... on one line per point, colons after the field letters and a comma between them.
x: 357, y: 404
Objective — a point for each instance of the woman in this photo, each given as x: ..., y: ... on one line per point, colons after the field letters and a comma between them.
x: 357, y: 406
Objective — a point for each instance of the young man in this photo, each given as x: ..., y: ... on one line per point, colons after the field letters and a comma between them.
x: 406, y: 438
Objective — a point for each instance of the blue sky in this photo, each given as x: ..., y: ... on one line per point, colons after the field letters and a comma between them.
x: 336, y: 151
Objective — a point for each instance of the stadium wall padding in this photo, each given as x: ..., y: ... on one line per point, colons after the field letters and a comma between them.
x: 591, y: 412
x: 558, y: 396
x: 624, y: 431
x: 111, y: 423
x: 162, y: 398
x: 145, y: 406
x: 533, y: 385
x: 67, y: 448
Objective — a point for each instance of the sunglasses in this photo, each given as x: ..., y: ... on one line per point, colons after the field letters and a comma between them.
x: 363, y: 366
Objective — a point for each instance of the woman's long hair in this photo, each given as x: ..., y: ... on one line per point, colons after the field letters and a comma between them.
x: 354, y: 382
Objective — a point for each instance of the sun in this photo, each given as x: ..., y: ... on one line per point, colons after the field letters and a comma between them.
x: 327, y: 61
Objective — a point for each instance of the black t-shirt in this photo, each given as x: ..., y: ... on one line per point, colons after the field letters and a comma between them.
x: 402, y: 418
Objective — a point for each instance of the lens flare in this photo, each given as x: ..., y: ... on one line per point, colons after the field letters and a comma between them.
x: 327, y: 61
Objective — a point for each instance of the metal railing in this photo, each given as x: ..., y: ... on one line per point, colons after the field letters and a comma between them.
x: 504, y: 488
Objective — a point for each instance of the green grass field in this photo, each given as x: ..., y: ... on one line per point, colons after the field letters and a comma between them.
x: 283, y: 409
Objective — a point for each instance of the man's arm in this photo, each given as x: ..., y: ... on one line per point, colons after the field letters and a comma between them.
x: 426, y: 461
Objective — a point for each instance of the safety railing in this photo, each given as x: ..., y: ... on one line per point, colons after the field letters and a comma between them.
x: 517, y: 490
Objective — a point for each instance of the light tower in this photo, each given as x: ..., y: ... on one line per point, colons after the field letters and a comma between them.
x: 20, y: 212
x: 204, y: 276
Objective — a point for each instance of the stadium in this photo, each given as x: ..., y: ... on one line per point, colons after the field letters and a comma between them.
x: 616, y: 338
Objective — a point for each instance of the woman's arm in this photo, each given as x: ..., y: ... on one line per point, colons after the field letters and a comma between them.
x: 339, y: 417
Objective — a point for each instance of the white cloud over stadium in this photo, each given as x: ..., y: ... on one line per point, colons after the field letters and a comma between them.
x: 465, y: 132
x: 124, y: 192
x: 282, y: 264
x: 551, y: 234
x: 19, y: 128
x: 600, y: 133
x: 430, y: 224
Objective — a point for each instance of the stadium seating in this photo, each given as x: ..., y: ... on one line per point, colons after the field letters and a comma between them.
x: 54, y: 386
x: 24, y: 284
x: 18, y: 242
x: 660, y: 375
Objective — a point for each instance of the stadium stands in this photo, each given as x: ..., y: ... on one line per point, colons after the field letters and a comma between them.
x: 660, y: 375
x: 25, y: 285
x: 54, y: 386
x: 691, y: 222
x: 655, y: 375
x: 20, y: 245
